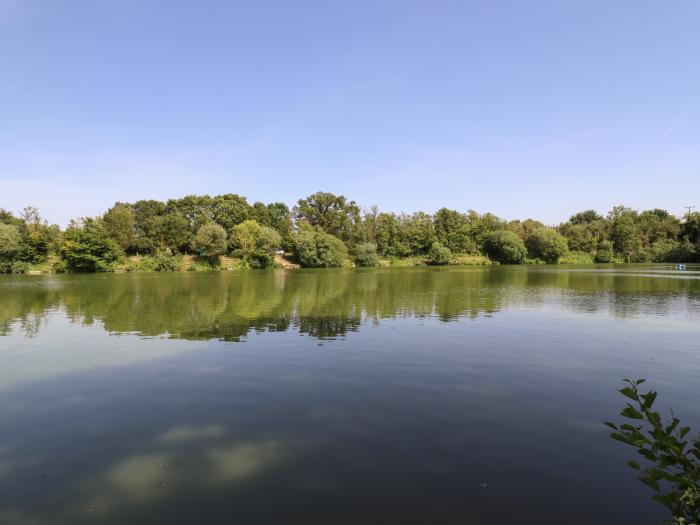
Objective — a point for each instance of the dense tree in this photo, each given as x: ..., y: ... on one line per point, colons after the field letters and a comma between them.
x: 505, y: 247
x: 334, y: 214
x: 10, y: 242
x: 119, y: 224
x: 585, y: 217
x: 88, y: 248
x: 151, y: 227
x: 266, y: 245
x: 546, y: 244
x: 210, y: 241
x: 244, y: 236
x: 453, y: 231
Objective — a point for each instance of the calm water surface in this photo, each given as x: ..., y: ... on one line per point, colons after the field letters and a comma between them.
x: 427, y: 396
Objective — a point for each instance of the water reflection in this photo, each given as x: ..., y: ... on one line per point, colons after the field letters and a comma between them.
x: 329, y: 304
x: 121, y: 404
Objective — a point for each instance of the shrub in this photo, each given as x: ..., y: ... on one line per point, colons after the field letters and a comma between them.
x: 605, y: 253
x: 163, y: 262
x: 210, y: 240
x: 18, y: 267
x: 505, y: 247
x: 87, y: 248
x: 576, y: 258
x: 546, y: 244
x: 439, y: 254
x: 366, y: 254
x: 315, y: 249
x: 60, y: 267
x: 265, y: 246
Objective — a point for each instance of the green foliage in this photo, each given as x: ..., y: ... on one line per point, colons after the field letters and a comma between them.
x: 605, y: 253
x: 210, y: 241
x: 160, y: 262
x: 334, y: 214
x: 671, y: 459
x: 266, y: 245
x: 546, y: 244
x: 119, y: 224
x: 439, y: 254
x: 690, y: 229
x: 505, y: 247
x: 366, y: 254
x: 10, y: 242
x: 244, y: 235
x: 88, y: 248
x: 314, y: 249
x: 585, y: 217
x: 576, y: 258
x: 453, y: 231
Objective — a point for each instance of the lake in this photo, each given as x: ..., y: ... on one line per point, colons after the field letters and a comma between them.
x: 407, y: 395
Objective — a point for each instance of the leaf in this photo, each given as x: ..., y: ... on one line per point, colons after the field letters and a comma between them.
x: 633, y: 464
x: 684, y: 431
x: 631, y: 413
x: 629, y: 392
x: 611, y: 425
x: 648, y: 400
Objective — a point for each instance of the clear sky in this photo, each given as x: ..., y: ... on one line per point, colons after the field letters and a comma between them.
x: 521, y: 107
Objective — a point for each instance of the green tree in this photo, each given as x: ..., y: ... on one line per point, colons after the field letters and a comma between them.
x: 88, y: 248
x: 452, y: 230
x: 439, y: 254
x: 605, y: 252
x: 505, y: 247
x: 585, y: 217
x: 417, y: 233
x: 546, y: 244
x: 334, y: 214
x: 244, y: 236
x: 210, y: 241
x: 624, y: 231
x: 266, y: 245
x: 315, y: 249
x: 366, y: 254
x: 10, y: 246
x: 690, y: 229
x: 119, y: 223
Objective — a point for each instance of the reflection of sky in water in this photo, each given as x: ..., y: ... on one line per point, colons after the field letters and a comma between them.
x: 352, y: 400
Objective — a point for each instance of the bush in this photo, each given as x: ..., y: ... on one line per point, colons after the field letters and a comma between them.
x: 546, y: 244
x: 504, y: 247
x: 60, y: 267
x: 439, y: 254
x: 265, y: 245
x: 605, y: 253
x: 18, y: 267
x: 576, y: 258
x: 87, y: 248
x: 366, y: 254
x: 210, y: 241
x: 319, y: 250
x: 163, y: 262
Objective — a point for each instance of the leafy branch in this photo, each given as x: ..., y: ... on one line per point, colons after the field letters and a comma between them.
x: 673, y: 469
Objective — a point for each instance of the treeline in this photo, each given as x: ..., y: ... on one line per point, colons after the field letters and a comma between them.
x: 327, y: 230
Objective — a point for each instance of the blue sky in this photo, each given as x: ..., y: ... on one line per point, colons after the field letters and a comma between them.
x: 523, y: 108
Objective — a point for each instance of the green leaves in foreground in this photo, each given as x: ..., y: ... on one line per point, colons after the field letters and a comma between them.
x: 672, y: 466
